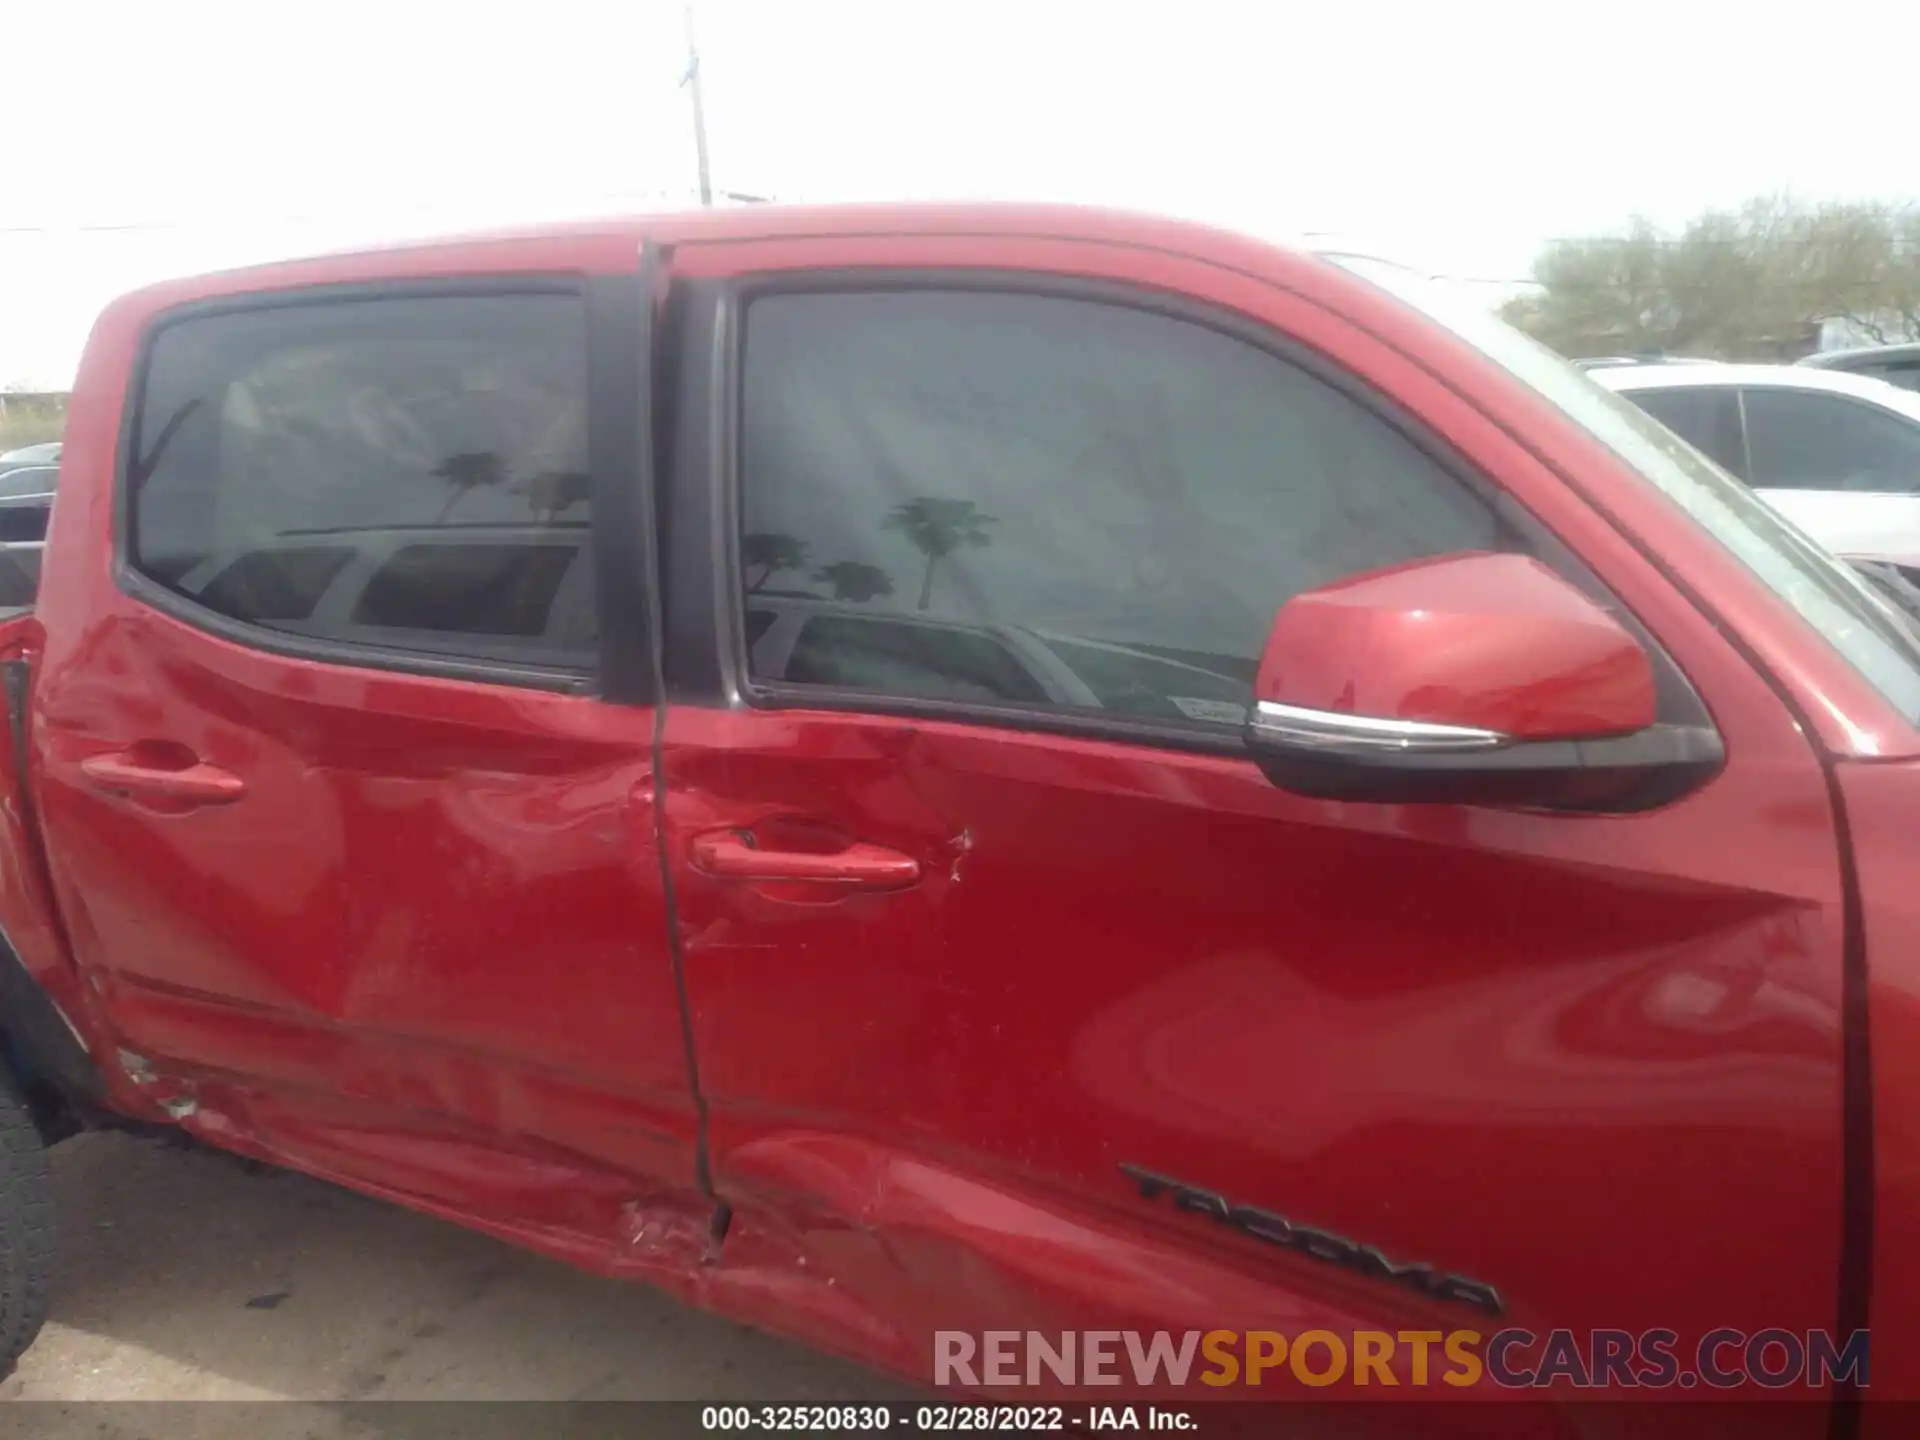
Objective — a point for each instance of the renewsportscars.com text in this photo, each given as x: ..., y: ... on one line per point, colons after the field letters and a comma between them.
x: 1511, y: 1358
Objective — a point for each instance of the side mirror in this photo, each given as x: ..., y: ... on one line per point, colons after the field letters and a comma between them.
x: 1473, y: 679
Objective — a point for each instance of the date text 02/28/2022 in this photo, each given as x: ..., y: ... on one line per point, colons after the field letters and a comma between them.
x: 942, y: 1418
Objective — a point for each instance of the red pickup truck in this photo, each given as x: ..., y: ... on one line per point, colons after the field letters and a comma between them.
x: 923, y: 775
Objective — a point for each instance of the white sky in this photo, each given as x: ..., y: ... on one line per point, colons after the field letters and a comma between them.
x: 1456, y: 135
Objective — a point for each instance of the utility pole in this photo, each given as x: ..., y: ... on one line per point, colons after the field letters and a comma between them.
x: 692, y: 82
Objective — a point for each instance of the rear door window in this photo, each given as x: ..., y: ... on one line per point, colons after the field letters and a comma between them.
x: 284, y: 584
x: 1904, y: 373
x: 1805, y: 440
x: 407, y: 473
x: 1706, y: 417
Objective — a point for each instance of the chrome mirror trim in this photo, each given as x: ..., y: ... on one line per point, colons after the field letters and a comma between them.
x: 1297, y: 726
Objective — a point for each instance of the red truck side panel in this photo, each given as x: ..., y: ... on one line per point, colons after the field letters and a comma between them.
x: 426, y: 950
x: 1345, y: 1014
x: 1595, y: 1063
x: 27, y: 913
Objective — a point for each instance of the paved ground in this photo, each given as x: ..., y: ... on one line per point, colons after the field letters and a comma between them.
x: 184, y: 1277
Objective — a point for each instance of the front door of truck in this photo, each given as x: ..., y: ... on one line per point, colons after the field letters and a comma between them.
x: 1011, y: 978
x: 351, y: 836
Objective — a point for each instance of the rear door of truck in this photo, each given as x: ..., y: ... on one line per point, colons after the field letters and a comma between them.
x: 345, y: 805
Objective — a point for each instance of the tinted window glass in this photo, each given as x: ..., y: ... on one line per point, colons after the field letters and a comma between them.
x: 467, y: 588
x: 1904, y: 373
x: 758, y: 623
x: 28, y: 480
x: 269, y: 585
x: 26, y: 504
x: 25, y: 521
x: 1707, y: 418
x: 938, y: 661
x: 350, y: 469
x: 1805, y: 441
x: 1105, y: 506
x: 1192, y: 687
x: 19, y: 576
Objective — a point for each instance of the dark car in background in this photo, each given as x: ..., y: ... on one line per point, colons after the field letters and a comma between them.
x: 1896, y: 364
x: 27, y: 481
x: 45, y: 454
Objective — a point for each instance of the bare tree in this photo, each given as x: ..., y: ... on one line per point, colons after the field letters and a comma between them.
x: 1752, y: 283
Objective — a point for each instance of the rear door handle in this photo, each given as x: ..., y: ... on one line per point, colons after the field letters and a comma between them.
x: 729, y: 855
x: 184, y: 783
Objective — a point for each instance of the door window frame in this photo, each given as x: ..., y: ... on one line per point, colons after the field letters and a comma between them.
x: 615, y: 365
x: 1737, y: 401
x: 1745, y: 477
x: 706, y: 654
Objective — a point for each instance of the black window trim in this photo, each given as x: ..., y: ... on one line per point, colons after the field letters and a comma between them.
x: 1855, y: 401
x: 611, y: 326
x: 704, y: 610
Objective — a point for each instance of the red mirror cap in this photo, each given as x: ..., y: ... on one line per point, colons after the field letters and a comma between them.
x: 1491, y: 641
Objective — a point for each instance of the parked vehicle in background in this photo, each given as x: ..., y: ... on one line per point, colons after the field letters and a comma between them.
x: 524, y: 591
x: 912, y: 770
x: 26, y: 504
x: 1895, y: 364
x: 1899, y: 582
x: 1608, y: 362
x: 44, y: 454
x: 28, y: 478
x: 822, y: 642
x: 1838, y: 454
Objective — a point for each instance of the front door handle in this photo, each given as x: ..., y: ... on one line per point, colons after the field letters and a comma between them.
x: 166, y: 774
x: 729, y: 855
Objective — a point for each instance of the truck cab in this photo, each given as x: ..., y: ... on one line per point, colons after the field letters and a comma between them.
x: 1299, y: 814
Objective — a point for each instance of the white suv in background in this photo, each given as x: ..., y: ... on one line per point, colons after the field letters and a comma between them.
x: 1838, y: 454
